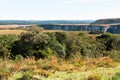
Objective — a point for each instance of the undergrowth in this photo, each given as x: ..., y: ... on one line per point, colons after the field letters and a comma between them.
x: 31, y: 69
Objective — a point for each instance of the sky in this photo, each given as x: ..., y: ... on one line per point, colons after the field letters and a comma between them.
x: 59, y: 9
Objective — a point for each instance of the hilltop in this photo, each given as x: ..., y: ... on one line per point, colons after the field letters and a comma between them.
x: 39, y: 22
x: 107, y: 21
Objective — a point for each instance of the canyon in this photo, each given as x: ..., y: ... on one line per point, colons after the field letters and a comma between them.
x: 112, y: 28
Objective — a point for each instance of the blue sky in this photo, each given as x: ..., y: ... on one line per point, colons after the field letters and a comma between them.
x: 59, y: 9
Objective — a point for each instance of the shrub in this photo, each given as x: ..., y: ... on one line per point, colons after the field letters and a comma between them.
x: 58, y: 49
x: 113, y: 43
x: 94, y: 77
x: 4, y: 52
x: 31, y: 44
x: 26, y: 76
x: 6, y: 43
x: 82, y: 34
x: 116, y: 76
x: 60, y: 37
x: 40, y: 45
x: 104, y: 37
x: 64, y: 45
x: 95, y: 32
x: 19, y: 58
x: 114, y: 54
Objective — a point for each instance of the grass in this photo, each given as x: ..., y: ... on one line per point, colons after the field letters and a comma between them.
x: 99, y: 73
x: 19, y: 31
x: 57, y: 69
x: 11, y: 32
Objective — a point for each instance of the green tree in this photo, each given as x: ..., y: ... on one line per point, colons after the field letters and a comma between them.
x: 6, y: 43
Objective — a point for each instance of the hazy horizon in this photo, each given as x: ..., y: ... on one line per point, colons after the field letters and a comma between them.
x: 59, y: 9
x: 50, y: 20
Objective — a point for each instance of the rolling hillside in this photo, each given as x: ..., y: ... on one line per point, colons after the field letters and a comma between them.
x: 107, y: 21
x: 39, y: 22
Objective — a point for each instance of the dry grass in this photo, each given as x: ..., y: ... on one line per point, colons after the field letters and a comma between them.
x: 48, y: 68
x: 11, y: 32
x: 65, y: 31
x: 53, y: 68
x: 53, y: 31
x: 75, y: 32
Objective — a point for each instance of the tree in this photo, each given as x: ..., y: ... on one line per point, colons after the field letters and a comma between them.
x: 6, y: 43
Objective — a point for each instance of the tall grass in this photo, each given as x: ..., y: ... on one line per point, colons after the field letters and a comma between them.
x: 52, y: 68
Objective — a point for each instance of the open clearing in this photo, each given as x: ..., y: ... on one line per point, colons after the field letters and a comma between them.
x: 102, y: 73
x: 15, y: 32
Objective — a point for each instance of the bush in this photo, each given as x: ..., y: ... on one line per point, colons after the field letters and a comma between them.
x: 116, y: 76
x: 64, y: 45
x: 31, y: 44
x: 40, y: 45
x: 113, y: 43
x: 94, y: 77
x: 114, y: 54
x: 60, y: 37
x: 4, y: 52
x: 6, y: 43
x: 26, y: 76
x: 95, y: 32
x: 104, y: 37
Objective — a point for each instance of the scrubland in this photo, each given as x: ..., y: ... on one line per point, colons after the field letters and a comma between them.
x: 36, y: 54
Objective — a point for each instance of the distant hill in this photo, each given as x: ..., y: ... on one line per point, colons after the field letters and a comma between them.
x: 107, y: 21
x: 38, y: 22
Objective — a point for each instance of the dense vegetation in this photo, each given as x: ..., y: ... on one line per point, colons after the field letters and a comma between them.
x: 65, y: 45
x: 37, y: 55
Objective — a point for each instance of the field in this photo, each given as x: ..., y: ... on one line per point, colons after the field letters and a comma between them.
x: 19, y: 31
x: 11, y: 32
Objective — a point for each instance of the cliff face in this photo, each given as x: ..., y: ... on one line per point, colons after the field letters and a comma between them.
x: 73, y: 27
x: 111, y: 29
x: 113, y: 25
x: 114, y: 29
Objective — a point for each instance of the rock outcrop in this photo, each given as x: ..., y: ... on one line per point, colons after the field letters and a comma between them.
x: 101, y: 28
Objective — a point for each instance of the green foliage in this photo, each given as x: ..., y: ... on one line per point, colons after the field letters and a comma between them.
x: 43, y: 53
x: 58, y: 49
x: 7, y: 40
x: 27, y: 75
x: 95, y: 32
x: 31, y: 44
x: 116, y: 76
x: 82, y: 34
x: 64, y: 45
x: 113, y: 43
x: 104, y: 37
x: 34, y: 28
x: 94, y: 77
x: 114, y: 54
x: 60, y: 37
x: 19, y: 58
x: 38, y: 44
x: 4, y: 52
x: 6, y: 43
